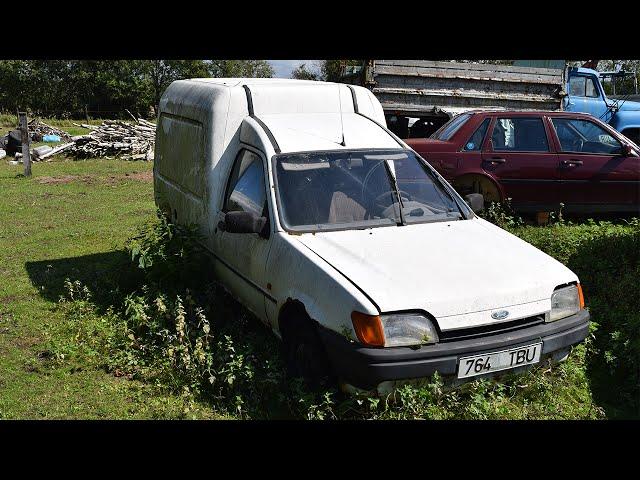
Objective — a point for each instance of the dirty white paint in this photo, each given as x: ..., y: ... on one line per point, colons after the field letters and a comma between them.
x: 459, y: 272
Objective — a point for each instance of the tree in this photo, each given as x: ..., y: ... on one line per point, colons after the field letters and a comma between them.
x: 301, y: 73
x: 332, y: 70
x: 161, y: 73
x: 240, y: 68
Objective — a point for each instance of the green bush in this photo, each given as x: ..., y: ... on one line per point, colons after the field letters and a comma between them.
x: 606, y: 258
x: 502, y: 215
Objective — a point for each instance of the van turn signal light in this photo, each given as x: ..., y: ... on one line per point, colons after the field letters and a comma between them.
x: 368, y: 329
x: 580, y: 296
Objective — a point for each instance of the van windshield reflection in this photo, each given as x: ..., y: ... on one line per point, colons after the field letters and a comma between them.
x: 358, y: 189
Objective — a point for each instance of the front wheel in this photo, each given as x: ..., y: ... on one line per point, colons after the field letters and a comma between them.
x: 305, y: 354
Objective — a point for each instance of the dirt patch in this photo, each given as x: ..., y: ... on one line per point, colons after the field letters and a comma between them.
x: 26, y: 342
x: 92, y: 179
x: 7, y: 300
x: 146, y: 176
x: 57, y: 180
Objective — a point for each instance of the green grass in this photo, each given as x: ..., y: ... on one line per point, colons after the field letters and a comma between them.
x: 71, y: 224
x: 72, y: 219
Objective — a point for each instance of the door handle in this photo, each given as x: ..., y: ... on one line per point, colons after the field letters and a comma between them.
x: 496, y: 160
x: 569, y: 163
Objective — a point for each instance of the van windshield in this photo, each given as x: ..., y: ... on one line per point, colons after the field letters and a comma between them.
x: 338, y: 190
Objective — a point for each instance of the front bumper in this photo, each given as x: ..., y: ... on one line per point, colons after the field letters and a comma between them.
x: 366, y: 367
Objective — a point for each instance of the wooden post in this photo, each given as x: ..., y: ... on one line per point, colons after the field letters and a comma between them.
x: 24, y: 129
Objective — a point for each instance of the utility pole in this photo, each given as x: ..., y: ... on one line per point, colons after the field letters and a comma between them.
x: 24, y: 129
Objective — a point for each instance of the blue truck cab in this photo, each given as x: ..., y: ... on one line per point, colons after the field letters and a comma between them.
x: 585, y: 94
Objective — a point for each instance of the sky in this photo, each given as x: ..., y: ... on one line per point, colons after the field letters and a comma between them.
x: 283, y: 68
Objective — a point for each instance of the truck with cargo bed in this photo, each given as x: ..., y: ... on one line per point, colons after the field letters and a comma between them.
x: 419, y: 96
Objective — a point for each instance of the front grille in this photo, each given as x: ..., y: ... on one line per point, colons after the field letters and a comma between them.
x: 488, y: 330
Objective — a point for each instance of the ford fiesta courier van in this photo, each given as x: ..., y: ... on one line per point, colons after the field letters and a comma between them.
x: 347, y: 244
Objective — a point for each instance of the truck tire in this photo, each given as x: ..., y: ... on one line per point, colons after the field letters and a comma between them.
x: 304, y: 352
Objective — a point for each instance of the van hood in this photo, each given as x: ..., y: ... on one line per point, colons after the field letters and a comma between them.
x: 457, y: 271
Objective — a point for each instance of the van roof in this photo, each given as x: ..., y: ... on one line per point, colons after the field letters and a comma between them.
x: 300, y: 115
x: 235, y: 82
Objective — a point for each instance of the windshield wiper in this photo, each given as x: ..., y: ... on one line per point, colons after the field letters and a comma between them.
x: 394, y: 182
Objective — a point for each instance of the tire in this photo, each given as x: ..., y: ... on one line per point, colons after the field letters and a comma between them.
x: 14, y: 142
x: 304, y: 351
x: 478, y: 184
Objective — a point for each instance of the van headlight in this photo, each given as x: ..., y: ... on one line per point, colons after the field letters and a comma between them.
x: 404, y: 329
x: 394, y: 330
x: 566, y: 301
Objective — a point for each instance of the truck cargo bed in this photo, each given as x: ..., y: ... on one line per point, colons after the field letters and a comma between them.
x: 418, y: 86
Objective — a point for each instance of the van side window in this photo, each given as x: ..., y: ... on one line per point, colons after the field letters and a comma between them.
x: 246, y: 190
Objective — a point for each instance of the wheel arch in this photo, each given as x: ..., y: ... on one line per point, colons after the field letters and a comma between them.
x: 632, y: 132
x: 479, y: 180
x: 292, y: 308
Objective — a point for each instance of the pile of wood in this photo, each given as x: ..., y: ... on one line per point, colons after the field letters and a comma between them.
x: 44, y: 152
x: 38, y: 129
x: 116, y: 139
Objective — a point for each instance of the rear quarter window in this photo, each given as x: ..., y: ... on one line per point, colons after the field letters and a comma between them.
x: 451, y: 127
x: 474, y: 143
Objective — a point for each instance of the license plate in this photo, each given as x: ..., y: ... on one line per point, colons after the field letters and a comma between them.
x: 496, y: 361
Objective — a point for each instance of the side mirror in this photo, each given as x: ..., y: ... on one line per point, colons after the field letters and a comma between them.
x: 626, y: 150
x: 475, y: 201
x: 244, y: 222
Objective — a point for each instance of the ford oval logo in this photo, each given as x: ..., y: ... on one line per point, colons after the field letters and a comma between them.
x: 500, y: 315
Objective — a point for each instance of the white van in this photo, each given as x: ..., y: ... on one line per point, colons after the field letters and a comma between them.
x: 348, y: 244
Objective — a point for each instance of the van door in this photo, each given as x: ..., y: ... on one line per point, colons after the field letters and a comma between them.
x: 240, y: 258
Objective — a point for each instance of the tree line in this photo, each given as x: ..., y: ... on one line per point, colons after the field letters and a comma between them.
x: 105, y: 88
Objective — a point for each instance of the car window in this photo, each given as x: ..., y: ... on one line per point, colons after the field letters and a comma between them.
x: 246, y: 190
x: 580, y: 86
x: 584, y: 136
x: 452, y: 126
x: 346, y: 189
x: 519, y: 134
x: 577, y: 86
x: 475, y: 142
x: 592, y: 90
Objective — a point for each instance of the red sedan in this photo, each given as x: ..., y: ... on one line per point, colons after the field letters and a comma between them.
x: 538, y: 159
